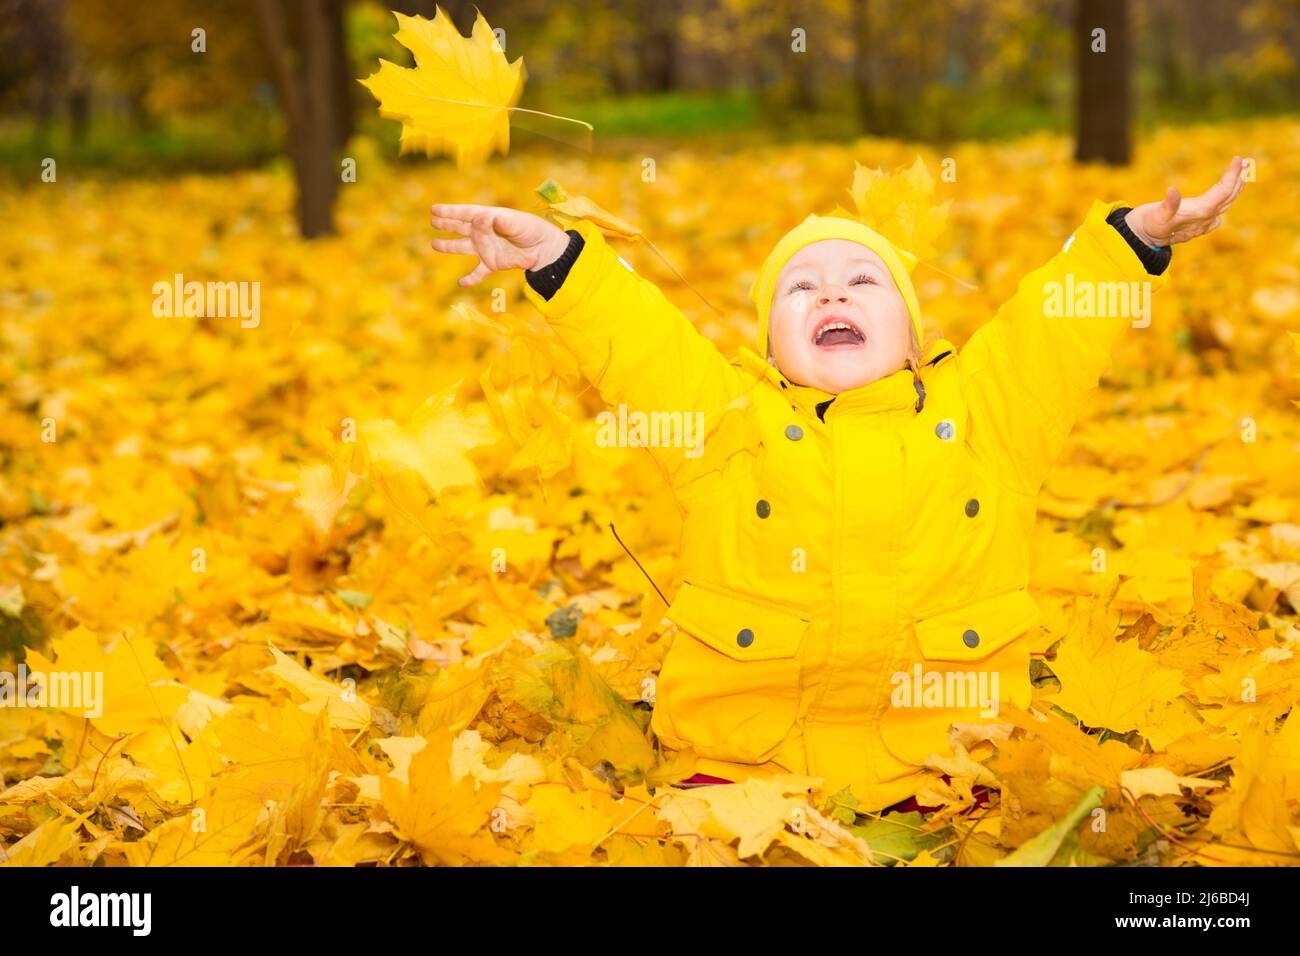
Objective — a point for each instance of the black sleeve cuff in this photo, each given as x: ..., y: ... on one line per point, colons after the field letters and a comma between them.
x: 1156, y: 260
x: 547, y: 280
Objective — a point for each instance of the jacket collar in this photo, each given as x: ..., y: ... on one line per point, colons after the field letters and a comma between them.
x: 891, y: 393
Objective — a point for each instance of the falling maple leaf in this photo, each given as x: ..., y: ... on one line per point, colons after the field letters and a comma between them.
x: 322, y: 493
x: 433, y: 444
x: 567, y: 210
x: 458, y: 96
x: 901, y: 206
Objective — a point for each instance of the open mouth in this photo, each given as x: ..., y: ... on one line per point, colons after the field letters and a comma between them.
x: 837, y: 332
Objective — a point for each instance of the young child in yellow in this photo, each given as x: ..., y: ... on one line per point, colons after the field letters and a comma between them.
x: 860, y: 509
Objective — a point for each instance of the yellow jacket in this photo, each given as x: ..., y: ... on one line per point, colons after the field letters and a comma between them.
x: 820, y: 559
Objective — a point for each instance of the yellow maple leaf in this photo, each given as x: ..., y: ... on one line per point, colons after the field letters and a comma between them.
x: 458, y: 96
x: 754, y: 811
x: 1106, y: 682
x: 566, y: 819
x: 520, y: 389
x: 1157, y: 781
x: 444, y: 819
x: 216, y: 832
x: 900, y: 206
x: 322, y: 493
x: 434, y: 444
x: 47, y: 843
x: 125, y: 682
x: 1265, y: 785
x: 342, y: 705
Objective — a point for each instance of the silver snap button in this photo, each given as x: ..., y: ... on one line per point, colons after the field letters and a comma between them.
x: 945, y: 429
x: 793, y: 432
x: 971, y: 638
x: 745, y: 637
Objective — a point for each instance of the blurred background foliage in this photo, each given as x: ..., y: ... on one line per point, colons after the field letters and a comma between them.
x: 114, y: 85
x: 118, y: 79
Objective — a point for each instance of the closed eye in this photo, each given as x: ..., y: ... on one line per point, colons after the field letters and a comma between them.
x: 805, y: 284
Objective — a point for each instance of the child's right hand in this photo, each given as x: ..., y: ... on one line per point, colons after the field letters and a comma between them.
x: 502, y: 238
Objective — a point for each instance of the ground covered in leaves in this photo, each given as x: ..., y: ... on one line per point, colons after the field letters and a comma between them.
x: 349, y: 579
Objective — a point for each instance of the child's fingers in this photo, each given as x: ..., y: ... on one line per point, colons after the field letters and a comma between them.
x: 460, y: 247
x: 1221, y: 190
x: 1171, y: 202
x: 1236, y: 191
x: 450, y: 225
x: 477, y: 275
x: 463, y: 211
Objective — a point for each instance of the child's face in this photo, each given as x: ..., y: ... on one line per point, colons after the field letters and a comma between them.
x: 838, y: 281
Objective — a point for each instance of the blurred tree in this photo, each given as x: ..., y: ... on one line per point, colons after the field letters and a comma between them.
x: 147, y: 59
x: 798, y: 65
x: 864, y: 87
x: 311, y: 75
x: 1104, y: 87
x: 34, y: 58
x: 656, y: 43
x: 460, y: 11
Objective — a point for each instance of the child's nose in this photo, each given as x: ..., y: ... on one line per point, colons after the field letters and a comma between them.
x: 833, y: 292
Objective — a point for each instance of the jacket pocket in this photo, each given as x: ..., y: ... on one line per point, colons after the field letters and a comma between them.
x: 978, y: 629
x: 960, y: 665
x: 729, y: 685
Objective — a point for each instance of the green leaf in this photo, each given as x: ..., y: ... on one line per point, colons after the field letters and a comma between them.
x: 551, y: 191
x: 899, y: 836
x: 357, y: 599
x: 1040, y: 850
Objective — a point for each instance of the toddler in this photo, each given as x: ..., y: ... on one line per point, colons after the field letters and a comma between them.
x: 855, y: 547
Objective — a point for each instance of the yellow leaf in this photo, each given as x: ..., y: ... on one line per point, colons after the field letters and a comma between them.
x: 126, y: 682
x: 570, y: 819
x: 322, y: 493
x: 457, y: 97
x: 900, y: 206
x: 753, y: 811
x: 213, y: 833
x: 445, y: 820
x: 433, y: 444
x: 567, y: 209
x: 344, y: 708
x: 1157, y: 781
x: 1109, y: 683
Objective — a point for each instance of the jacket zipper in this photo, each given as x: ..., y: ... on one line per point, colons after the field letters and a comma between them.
x: 837, y: 528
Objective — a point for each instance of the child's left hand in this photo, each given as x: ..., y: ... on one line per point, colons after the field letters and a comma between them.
x: 1174, y: 219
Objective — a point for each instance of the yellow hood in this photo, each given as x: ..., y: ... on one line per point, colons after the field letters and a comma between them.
x: 815, y: 228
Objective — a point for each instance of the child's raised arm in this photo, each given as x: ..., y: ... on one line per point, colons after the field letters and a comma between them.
x: 633, y: 344
x: 1030, y: 369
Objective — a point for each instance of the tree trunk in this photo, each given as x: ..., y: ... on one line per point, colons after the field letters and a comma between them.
x: 345, y: 87
x: 863, y: 88
x: 1103, y: 80
x: 309, y: 91
x: 78, y: 112
x: 43, y: 45
x: 657, y: 45
x: 318, y: 175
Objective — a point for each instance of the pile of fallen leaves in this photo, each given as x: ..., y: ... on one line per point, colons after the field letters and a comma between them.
x: 349, y: 577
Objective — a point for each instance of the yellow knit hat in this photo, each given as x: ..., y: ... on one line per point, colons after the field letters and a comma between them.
x: 815, y: 228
